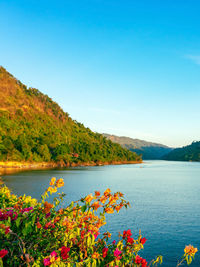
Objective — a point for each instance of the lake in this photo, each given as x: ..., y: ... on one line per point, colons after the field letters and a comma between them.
x: 164, y: 197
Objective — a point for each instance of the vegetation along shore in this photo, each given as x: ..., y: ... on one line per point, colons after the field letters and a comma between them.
x: 13, y: 166
x: 33, y: 128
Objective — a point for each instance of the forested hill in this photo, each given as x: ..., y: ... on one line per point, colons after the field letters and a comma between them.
x: 187, y: 153
x: 34, y: 128
x: 148, y: 150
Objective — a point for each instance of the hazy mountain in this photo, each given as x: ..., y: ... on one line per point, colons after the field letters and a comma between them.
x: 148, y: 150
x: 34, y: 128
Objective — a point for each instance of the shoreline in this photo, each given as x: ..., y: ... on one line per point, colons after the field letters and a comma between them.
x: 8, y: 167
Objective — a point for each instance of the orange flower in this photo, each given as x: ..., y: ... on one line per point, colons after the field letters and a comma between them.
x: 103, y: 199
x: 109, y: 210
x: 52, y: 181
x: 60, y: 183
x: 97, y: 193
x: 117, y: 208
x: 107, y: 234
x: 47, y: 207
x: 61, y: 211
x: 107, y: 192
x: 116, y: 196
x: 190, y: 250
x: 96, y: 205
x: 56, y: 219
x: 95, y: 255
x: 16, y: 207
x: 89, y: 198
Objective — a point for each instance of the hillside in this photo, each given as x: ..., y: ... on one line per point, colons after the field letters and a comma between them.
x: 34, y: 128
x: 148, y: 150
x: 186, y: 153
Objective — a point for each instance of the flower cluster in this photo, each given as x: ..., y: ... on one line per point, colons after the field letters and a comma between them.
x: 43, y: 234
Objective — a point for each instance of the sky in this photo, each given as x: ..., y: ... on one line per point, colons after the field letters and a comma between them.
x: 123, y: 67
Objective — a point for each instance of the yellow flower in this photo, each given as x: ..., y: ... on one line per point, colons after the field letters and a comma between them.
x: 52, y: 190
x: 190, y: 250
x: 58, y: 259
x: 60, y: 182
x: 52, y: 259
x: 53, y: 180
x: 29, y: 200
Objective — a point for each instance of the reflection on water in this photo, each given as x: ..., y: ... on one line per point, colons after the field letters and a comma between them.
x: 164, y: 199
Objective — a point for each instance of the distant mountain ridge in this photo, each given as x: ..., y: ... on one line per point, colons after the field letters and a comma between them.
x: 148, y: 150
x: 186, y: 153
x: 34, y: 128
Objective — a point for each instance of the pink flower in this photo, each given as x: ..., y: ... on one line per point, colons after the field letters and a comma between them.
x: 117, y: 252
x: 47, y: 262
x: 26, y: 209
x: 95, y: 236
x: 53, y: 254
x: 114, y: 242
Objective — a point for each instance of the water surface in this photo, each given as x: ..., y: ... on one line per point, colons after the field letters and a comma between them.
x: 164, y: 197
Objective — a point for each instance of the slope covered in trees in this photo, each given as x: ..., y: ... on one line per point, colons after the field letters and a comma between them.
x: 34, y: 128
x: 186, y: 153
x: 148, y: 150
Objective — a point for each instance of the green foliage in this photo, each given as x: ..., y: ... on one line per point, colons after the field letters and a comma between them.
x: 187, y: 153
x: 34, y: 128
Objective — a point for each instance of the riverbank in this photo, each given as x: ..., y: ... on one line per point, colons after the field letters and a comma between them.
x: 14, y: 166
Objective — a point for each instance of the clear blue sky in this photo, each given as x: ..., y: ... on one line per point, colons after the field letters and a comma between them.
x: 122, y: 67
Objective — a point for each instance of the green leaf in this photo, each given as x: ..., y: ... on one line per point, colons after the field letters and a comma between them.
x: 83, y: 208
x: 18, y: 221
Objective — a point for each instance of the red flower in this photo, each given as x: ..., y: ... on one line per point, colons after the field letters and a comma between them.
x: 64, y: 252
x: 7, y: 230
x: 47, y: 225
x: 3, y: 253
x: 130, y: 240
x: 143, y: 240
x: 140, y: 260
x: 127, y: 233
x: 38, y: 225
x: 144, y: 263
x: 104, y: 252
x: 82, y: 234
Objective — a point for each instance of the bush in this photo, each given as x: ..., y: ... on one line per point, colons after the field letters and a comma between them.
x: 34, y: 233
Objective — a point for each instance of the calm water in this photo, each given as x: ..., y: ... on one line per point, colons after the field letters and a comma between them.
x: 164, y: 197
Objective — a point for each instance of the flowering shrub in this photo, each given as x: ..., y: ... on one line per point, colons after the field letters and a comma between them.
x: 36, y: 233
